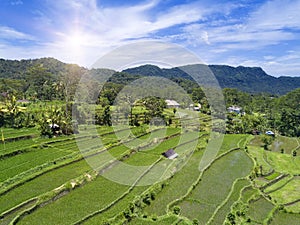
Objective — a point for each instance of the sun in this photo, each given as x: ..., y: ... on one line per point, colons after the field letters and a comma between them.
x: 76, y: 39
x: 75, y: 43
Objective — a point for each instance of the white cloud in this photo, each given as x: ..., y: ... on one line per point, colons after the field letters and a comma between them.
x: 10, y: 33
x: 80, y: 31
x: 271, y: 27
x: 88, y: 30
x: 17, y: 2
x: 268, y: 25
x: 276, y: 15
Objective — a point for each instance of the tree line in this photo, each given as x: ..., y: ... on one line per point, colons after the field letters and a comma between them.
x: 53, y: 94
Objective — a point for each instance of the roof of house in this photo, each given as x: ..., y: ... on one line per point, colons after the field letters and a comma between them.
x: 170, y: 154
x: 53, y: 125
x: 234, y: 108
x: 172, y: 102
x: 23, y: 101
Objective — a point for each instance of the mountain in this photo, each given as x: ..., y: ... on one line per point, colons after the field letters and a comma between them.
x: 248, y: 79
x: 15, y: 69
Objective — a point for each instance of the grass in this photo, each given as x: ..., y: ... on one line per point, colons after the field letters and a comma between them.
x: 283, y: 218
x: 80, y: 202
x: 177, y: 185
x: 160, y: 221
x: 173, y: 143
x: 256, y: 141
x: 96, y: 194
x: 272, y: 176
x: 294, y: 208
x: 137, y: 159
x: 286, y: 143
x: 196, y: 210
x: 8, y: 218
x: 16, y: 146
x: 117, y: 208
x: 260, y: 182
x: 162, y: 169
x: 170, y: 143
x: 15, y: 133
x: 40, y: 154
x: 278, y: 184
x: 25, y: 145
x: 142, y: 159
x: 134, y: 144
x: 119, y: 149
x: 20, y: 163
x: 42, y: 184
x: 221, y: 176
x: 284, y: 163
x: 231, y: 141
x: 215, y: 195
x: 259, y: 209
x: 220, y: 215
x: 257, y: 154
x: 248, y: 193
x: 216, y: 183
x: 47, y: 150
x: 288, y: 193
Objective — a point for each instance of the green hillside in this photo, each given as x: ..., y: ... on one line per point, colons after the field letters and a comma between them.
x: 14, y: 74
x: 248, y: 79
x: 66, y: 159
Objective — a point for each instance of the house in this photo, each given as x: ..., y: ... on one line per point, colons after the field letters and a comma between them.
x: 172, y: 104
x: 54, y: 128
x: 170, y: 154
x: 195, y: 107
x: 234, y: 109
x: 23, y: 101
x: 271, y: 133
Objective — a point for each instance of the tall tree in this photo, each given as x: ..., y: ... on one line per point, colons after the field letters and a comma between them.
x: 39, y: 82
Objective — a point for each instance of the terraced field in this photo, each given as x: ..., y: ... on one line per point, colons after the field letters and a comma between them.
x: 51, y: 181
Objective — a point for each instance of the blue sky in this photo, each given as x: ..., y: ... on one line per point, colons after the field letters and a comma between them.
x: 245, y: 32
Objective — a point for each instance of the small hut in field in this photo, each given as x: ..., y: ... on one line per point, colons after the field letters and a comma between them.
x: 170, y: 154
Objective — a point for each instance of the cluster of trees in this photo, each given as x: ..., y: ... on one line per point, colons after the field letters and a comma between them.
x: 39, y: 93
x: 264, y: 112
x: 13, y: 114
x: 247, y: 79
x: 142, y: 111
x: 40, y: 82
x: 50, y: 80
x: 46, y: 116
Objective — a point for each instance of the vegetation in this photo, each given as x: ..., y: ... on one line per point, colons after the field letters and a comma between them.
x: 48, y: 178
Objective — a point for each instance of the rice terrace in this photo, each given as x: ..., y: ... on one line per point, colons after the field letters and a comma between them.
x: 53, y: 171
x: 149, y: 112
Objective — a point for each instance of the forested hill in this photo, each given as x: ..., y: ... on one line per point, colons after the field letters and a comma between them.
x: 16, y: 73
x: 16, y: 69
x: 248, y: 79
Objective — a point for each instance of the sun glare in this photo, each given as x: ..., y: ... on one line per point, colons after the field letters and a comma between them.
x: 76, y: 40
x: 74, y: 43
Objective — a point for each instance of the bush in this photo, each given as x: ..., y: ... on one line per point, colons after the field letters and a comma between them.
x: 195, y: 222
x: 176, y: 210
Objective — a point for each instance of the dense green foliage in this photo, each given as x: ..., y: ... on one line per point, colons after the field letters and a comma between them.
x: 248, y: 79
x: 49, y: 79
x: 254, y: 178
x: 264, y: 112
x: 59, y: 183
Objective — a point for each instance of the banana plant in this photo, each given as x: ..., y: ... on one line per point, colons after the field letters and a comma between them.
x: 11, y: 109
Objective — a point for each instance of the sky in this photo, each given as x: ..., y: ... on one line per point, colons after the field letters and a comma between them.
x: 237, y: 32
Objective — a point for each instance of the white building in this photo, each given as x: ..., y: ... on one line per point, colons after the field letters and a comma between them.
x: 234, y: 109
x: 172, y: 104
